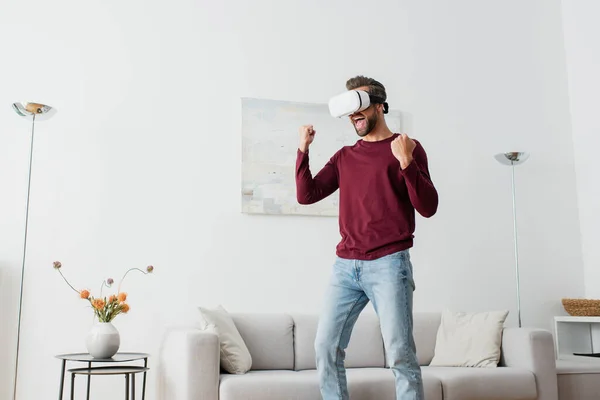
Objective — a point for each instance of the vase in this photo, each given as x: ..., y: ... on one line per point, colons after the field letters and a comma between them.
x: 103, y: 340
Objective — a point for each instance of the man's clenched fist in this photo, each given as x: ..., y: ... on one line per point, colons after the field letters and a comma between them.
x: 307, y: 135
x: 402, y: 148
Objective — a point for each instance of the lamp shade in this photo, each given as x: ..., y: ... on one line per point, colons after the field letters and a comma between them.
x: 28, y: 110
x: 512, y: 157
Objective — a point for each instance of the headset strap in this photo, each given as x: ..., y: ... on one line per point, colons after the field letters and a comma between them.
x: 379, y: 100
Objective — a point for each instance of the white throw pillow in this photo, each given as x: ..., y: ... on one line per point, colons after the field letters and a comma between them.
x: 469, y: 339
x: 234, y: 355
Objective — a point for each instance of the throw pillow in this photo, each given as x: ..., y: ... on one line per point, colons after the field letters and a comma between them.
x: 234, y: 355
x: 469, y: 339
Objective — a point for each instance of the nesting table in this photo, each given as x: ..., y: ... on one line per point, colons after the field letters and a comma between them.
x: 114, y: 367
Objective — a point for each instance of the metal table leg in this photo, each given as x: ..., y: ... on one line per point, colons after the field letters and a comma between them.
x: 88, y: 383
x: 72, y: 386
x: 132, y: 386
x: 144, y: 383
x: 62, y: 380
x: 126, y: 386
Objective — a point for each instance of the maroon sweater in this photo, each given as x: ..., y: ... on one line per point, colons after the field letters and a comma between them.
x: 377, y: 198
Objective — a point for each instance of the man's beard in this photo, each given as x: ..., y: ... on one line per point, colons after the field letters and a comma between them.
x: 370, y: 123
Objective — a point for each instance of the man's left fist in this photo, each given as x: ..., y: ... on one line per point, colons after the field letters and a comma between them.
x: 402, y: 148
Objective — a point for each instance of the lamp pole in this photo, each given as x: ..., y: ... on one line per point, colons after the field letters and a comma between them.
x: 513, y: 159
x: 33, y: 112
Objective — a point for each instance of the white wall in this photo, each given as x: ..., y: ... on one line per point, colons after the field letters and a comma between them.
x: 141, y: 165
x: 583, y: 59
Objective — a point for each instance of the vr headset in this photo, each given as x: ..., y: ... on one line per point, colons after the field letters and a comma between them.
x: 353, y: 101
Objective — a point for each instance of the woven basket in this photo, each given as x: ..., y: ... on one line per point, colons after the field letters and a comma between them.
x: 582, y: 307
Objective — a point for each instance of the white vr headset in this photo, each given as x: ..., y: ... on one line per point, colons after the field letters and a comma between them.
x: 353, y: 101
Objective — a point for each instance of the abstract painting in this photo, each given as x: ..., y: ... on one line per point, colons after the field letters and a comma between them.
x: 270, y: 132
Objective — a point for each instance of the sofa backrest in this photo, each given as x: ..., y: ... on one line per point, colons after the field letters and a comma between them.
x: 269, y: 338
x: 425, y: 328
x: 286, y: 341
x: 365, y: 348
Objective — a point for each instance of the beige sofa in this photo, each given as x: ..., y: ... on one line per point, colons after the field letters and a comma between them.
x: 283, y: 363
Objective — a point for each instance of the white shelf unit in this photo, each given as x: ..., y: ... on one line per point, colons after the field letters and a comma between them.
x: 577, y: 335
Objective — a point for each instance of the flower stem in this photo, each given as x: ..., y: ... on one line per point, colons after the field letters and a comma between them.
x: 102, y: 287
x: 128, y: 271
x: 61, y: 274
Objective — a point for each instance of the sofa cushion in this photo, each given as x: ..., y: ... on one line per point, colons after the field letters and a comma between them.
x: 269, y: 339
x: 363, y: 384
x: 365, y: 348
x: 468, y: 383
x: 469, y: 339
x: 425, y: 328
x: 234, y: 355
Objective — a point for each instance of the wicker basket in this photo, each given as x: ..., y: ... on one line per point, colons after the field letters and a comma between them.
x: 582, y: 307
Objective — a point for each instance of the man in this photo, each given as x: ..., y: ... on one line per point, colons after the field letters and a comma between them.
x: 383, y: 178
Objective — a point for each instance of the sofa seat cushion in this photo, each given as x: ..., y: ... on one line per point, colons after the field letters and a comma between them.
x: 501, y: 383
x: 363, y: 384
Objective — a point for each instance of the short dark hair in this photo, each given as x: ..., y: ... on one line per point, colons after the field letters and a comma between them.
x: 375, y: 87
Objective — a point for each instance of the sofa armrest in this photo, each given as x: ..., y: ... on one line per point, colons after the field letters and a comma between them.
x: 532, y: 349
x: 189, y: 367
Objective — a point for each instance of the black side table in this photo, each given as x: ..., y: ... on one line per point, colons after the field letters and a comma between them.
x: 87, y: 358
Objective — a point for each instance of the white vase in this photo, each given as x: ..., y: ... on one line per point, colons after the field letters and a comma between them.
x: 103, y: 340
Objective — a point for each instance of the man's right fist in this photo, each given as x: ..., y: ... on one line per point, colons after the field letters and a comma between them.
x: 307, y: 135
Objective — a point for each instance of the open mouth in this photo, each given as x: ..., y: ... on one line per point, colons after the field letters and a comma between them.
x: 359, y: 122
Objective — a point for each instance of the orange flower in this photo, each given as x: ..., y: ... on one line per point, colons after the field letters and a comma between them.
x: 125, y: 307
x: 112, y: 298
x: 98, y: 304
x: 84, y: 294
x: 122, y: 297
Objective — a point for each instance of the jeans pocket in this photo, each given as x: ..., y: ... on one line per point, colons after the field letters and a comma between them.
x: 397, y: 267
x: 407, y: 272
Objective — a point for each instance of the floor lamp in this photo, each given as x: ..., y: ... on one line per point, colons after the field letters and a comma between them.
x: 32, y: 112
x: 513, y: 159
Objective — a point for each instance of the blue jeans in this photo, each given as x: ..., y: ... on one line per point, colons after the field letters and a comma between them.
x: 388, y: 283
